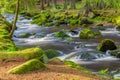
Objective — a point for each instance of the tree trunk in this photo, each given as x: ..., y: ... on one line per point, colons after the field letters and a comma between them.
x: 72, y: 4
x: 42, y: 4
x: 15, y: 19
x: 48, y: 3
x: 55, y: 4
x: 65, y: 4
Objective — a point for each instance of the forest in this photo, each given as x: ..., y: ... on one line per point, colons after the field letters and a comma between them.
x: 59, y: 39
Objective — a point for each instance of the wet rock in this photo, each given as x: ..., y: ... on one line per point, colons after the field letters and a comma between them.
x: 25, y: 35
x: 91, y: 15
x: 61, y: 34
x: 51, y: 53
x: 87, y: 33
x: 85, y: 21
x: 118, y: 28
x: 106, y: 44
x: 74, y: 31
x: 116, y: 53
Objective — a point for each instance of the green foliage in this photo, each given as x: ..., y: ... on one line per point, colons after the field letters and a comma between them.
x: 87, y: 33
x: 103, y: 72
x: 106, y: 44
x: 73, y: 65
x: 60, y: 34
x: 5, y: 42
x: 51, y: 53
x: 31, y: 65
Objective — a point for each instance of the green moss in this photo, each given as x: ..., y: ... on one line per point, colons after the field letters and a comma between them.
x: 116, y: 20
x: 74, y: 22
x: 87, y: 33
x: 51, y: 53
x: 25, y: 35
x: 60, y: 34
x: 73, y: 65
x: 27, y: 53
x: 118, y: 28
x: 6, y: 44
x: 102, y: 28
x: 116, y: 52
x: 106, y: 44
x: 28, y: 66
x: 31, y: 53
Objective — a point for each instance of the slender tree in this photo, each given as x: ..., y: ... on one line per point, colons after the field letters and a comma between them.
x: 55, y: 3
x: 42, y: 4
x: 72, y: 4
x: 15, y: 19
x: 65, y: 4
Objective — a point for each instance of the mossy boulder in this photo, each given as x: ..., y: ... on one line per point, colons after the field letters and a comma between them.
x: 27, y: 54
x: 31, y: 53
x: 116, y: 20
x: 106, y: 44
x: 60, y: 34
x: 85, y: 21
x: 118, y: 28
x: 102, y: 28
x: 51, y: 53
x: 87, y: 33
x: 31, y: 65
x: 115, y: 53
x: 25, y: 35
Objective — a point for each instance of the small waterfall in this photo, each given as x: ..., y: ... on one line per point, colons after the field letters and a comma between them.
x: 107, y: 53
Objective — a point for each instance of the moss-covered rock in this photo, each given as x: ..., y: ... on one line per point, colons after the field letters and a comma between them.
x: 118, y: 28
x: 26, y: 54
x: 31, y: 53
x: 106, y: 44
x: 102, y: 28
x: 85, y: 21
x: 25, y: 35
x: 87, y: 33
x: 51, y: 53
x: 28, y: 66
x: 61, y: 34
x: 116, y: 20
x: 115, y: 53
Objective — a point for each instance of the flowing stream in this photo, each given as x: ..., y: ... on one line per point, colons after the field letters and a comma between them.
x: 82, y: 52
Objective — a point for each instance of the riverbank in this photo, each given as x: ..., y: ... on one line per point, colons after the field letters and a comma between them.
x: 55, y: 71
